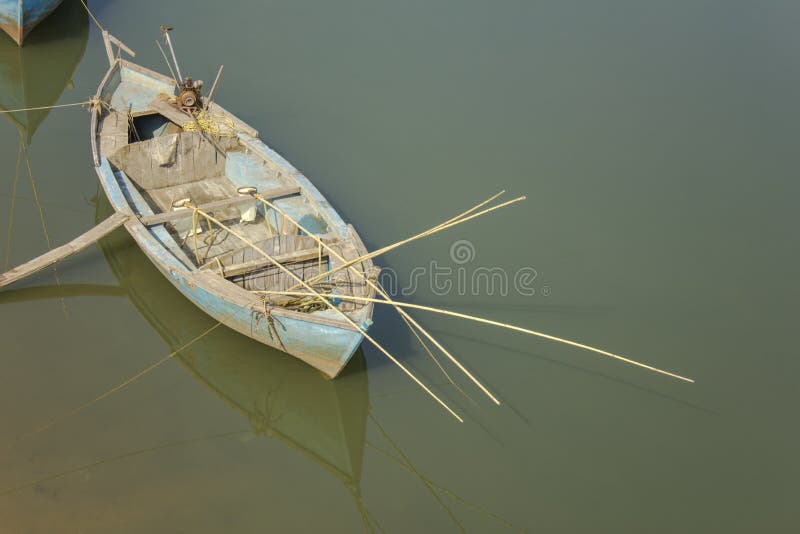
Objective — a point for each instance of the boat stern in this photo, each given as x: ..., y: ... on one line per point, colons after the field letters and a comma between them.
x: 322, y: 344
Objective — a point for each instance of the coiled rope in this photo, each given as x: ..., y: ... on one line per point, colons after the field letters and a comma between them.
x: 212, y: 124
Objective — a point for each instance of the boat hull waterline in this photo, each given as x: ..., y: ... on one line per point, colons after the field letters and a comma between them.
x: 320, y: 338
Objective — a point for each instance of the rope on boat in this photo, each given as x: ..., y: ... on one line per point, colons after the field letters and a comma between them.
x: 91, y: 102
x: 89, y: 11
x: 212, y: 124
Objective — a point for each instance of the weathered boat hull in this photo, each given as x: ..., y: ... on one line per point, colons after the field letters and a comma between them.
x: 19, y: 17
x: 320, y: 339
x: 328, y: 347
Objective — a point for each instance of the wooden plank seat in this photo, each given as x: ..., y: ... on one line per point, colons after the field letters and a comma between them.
x: 284, y: 248
x: 232, y: 201
x: 250, y: 270
x: 260, y: 263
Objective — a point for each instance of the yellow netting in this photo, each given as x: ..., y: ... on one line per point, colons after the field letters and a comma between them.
x: 212, y: 123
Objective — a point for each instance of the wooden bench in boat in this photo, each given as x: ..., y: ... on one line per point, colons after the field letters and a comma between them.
x: 173, y: 216
x: 254, y: 265
x: 283, y: 248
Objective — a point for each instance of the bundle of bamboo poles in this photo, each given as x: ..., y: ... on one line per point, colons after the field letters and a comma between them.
x: 314, y: 294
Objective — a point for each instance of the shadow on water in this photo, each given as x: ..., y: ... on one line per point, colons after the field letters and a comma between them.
x: 549, y: 360
x: 276, y: 394
x: 36, y: 74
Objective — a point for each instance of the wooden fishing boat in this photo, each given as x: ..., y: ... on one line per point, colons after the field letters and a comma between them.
x: 35, y: 76
x: 19, y: 17
x: 279, y: 397
x: 150, y: 166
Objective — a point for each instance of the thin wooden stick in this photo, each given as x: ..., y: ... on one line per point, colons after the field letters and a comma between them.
x: 164, y: 54
x: 383, y: 294
x: 331, y: 306
x: 166, y: 31
x: 431, y: 231
x: 489, y: 322
x: 474, y: 208
x: 213, y: 88
x: 99, y: 26
x: 319, y: 255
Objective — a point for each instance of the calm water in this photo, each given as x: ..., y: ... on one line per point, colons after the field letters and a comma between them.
x: 657, y: 144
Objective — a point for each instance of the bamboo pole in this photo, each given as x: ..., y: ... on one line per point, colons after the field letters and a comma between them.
x: 171, y: 71
x: 444, y: 226
x: 377, y: 345
x: 213, y: 88
x: 474, y: 208
x: 383, y: 294
x: 165, y: 31
x: 492, y: 323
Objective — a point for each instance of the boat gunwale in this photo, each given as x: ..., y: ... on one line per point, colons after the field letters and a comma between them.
x: 150, y: 245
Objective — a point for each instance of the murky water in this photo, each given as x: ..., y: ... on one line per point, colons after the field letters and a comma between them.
x: 657, y: 145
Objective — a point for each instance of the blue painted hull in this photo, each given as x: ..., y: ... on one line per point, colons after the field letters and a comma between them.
x: 321, y: 339
x: 19, y: 17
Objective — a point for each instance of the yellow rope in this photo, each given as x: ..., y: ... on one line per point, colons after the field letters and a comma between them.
x: 195, y: 222
x: 211, y: 123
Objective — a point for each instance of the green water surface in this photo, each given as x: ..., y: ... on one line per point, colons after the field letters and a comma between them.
x: 657, y: 145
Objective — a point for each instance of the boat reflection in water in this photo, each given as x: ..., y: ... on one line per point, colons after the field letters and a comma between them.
x: 37, y: 74
x: 279, y: 395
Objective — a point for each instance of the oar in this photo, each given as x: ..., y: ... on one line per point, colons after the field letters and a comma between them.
x: 484, y: 321
x: 64, y: 251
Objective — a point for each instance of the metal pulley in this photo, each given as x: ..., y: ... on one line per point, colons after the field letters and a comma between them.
x: 189, y: 95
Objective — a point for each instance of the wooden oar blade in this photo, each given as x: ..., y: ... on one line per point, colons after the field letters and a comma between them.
x: 57, y: 254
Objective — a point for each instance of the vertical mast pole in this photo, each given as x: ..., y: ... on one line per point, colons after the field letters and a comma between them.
x: 165, y: 30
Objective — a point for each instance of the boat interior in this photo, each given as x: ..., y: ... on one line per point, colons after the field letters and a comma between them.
x: 165, y: 157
